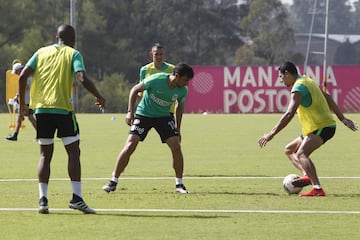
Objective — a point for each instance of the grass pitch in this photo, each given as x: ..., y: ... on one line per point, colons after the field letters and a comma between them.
x: 236, y: 187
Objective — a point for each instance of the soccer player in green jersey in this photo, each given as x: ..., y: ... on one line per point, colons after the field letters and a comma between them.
x: 54, y: 69
x: 313, y: 107
x: 162, y: 90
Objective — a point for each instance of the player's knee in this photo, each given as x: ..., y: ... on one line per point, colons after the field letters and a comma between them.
x: 129, y: 147
x: 175, y: 146
x: 302, y: 157
x: 288, y: 150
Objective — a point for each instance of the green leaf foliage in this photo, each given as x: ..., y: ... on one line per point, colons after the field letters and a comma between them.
x: 115, y: 37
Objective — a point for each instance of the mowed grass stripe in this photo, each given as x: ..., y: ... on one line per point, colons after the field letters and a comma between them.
x: 192, y: 211
x: 163, y: 178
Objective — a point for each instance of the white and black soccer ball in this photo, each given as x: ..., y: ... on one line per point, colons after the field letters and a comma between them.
x: 288, y: 186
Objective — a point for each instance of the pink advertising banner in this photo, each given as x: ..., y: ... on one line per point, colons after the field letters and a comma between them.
x: 258, y: 89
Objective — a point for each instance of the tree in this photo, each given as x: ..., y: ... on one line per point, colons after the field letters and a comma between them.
x: 356, y: 18
x: 21, y: 34
x: 115, y: 88
x: 268, y: 32
x: 188, y: 29
x: 339, y: 16
x: 115, y: 38
x: 206, y: 31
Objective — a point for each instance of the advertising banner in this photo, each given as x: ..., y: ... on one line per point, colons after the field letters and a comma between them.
x: 258, y: 89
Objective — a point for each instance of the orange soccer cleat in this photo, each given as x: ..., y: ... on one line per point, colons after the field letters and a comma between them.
x: 314, y: 193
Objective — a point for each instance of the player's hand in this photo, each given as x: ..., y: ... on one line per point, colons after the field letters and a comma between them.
x: 264, y: 140
x: 350, y: 124
x: 100, y: 102
x: 129, y: 118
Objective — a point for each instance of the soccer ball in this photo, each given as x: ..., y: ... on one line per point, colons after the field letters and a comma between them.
x: 288, y: 186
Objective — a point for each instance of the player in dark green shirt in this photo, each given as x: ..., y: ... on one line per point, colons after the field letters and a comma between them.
x: 162, y: 90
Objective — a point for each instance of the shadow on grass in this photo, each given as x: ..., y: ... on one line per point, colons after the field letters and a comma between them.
x: 347, y: 195
x: 138, y: 215
x: 226, y: 175
x: 159, y: 215
x: 156, y: 192
x: 239, y: 193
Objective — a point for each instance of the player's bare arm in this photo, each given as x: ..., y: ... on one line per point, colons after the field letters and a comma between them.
x: 24, y: 75
x: 134, y: 92
x: 284, y: 120
x: 89, y: 85
x: 179, y: 110
x: 334, y: 107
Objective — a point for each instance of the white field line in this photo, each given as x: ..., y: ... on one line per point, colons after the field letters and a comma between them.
x: 184, y: 210
x: 163, y: 178
x: 100, y: 210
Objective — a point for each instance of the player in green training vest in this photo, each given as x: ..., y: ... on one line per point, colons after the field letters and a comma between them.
x: 158, y: 65
x: 313, y: 107
x: 161, y: 90
x: 54, y: 69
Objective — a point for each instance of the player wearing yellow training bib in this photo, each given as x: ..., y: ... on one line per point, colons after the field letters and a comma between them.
x: 61, y: 78
x: 158, y: 65
x: 318, y: 125
x: 313, y: 111
x: 54, y: 69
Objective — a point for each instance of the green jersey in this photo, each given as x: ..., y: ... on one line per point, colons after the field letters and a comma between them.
x: 150, y: 69
x: 159, y: 97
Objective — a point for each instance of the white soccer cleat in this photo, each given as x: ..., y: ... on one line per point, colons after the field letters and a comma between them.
x: 180, y: 188
x: 78, y: 203
x: 110, y: 187
x: 43, y: 205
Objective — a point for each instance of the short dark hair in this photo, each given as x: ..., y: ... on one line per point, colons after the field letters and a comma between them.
x: 66, y: 33
x: 184, y: 70
x: 156, y: 46
x: 288, y: 67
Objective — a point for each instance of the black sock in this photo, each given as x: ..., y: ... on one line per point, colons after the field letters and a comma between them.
x: 76, y: 198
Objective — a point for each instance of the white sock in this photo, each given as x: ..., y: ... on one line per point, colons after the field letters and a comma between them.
x: 43, y: 189
x: 76, y: 188
x: 178, y: 181
x: 317, y: 187
x: 115, y: 179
